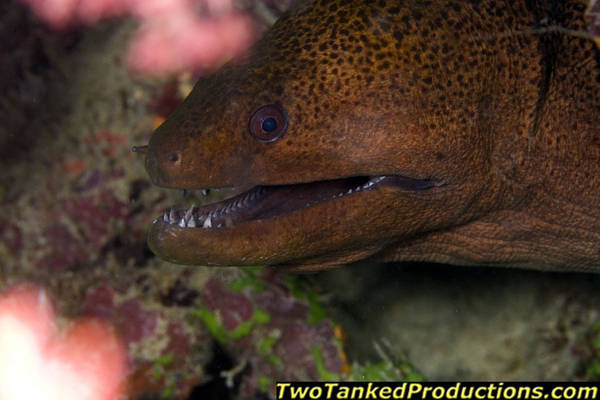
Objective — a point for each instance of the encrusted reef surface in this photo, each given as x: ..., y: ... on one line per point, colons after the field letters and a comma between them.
x: 75, y: 204
x: 473, y: 324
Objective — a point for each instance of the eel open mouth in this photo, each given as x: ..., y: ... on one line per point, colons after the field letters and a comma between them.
x: 267, y: 202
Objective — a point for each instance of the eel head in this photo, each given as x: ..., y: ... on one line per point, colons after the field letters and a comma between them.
x: 334, y: 147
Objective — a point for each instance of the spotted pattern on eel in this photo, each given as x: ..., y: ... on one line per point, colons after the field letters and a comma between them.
x: 462, y: 132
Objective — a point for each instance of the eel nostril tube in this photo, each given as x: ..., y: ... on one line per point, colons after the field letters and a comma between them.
x: 139, y: 149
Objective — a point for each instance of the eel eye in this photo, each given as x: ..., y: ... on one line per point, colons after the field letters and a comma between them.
x: 268, y: 123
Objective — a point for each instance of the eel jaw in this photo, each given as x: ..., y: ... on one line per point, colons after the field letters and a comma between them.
x: 267, y: 202
x: 276, y: 224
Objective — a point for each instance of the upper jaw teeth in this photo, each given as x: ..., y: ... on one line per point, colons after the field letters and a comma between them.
x: 365, y: 186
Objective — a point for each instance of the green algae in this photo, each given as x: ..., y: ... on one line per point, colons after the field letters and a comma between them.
x: 324, y: 373
x: 213, y: 323
x: 385, y: 371
x: 316, y: 312
x: 250, y: 278
x: 265, y: 348
x: 264, y: 383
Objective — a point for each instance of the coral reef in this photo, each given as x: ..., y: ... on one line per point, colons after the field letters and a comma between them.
x: 173, y: 36
x: 75, y: 205
x: 31, y: 345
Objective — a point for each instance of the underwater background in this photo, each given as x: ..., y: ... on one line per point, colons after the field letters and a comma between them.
x: 77, y: 91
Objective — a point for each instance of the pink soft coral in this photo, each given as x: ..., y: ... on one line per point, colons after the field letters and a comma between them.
x: 84, y: 362
x: 173, y: 35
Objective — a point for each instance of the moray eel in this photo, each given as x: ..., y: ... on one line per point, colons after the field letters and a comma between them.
x: 461, y: 132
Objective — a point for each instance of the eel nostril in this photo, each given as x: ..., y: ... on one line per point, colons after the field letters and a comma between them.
x: 139, y: 149
x: 173, y: 157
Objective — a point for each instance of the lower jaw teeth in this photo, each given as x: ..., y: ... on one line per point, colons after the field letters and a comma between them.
x: 187, y: 221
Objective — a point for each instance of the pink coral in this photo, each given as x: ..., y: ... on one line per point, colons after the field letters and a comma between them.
x: 184, y: 42
x: 87, y: 361
x: 174, y: 35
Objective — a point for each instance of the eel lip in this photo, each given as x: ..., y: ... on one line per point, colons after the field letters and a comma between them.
x: 267, y: 202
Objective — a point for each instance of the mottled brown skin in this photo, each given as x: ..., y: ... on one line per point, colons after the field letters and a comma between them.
x: 460, y: 91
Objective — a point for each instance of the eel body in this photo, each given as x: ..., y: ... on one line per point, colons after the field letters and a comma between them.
x: 453, y: 131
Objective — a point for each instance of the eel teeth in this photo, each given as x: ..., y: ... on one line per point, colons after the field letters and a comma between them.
x: 188, y: 213
x: 376, y: 179
x: 188, y: 220
x: 247, y: 198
